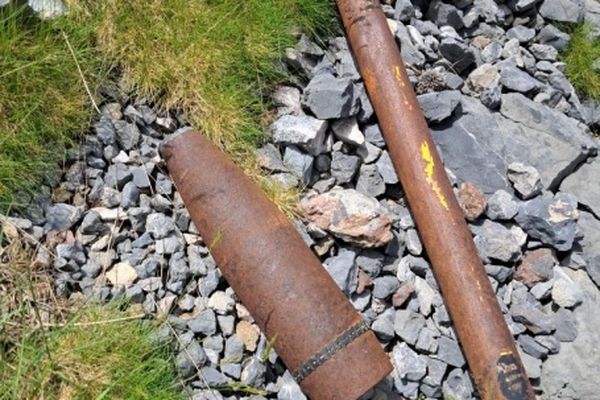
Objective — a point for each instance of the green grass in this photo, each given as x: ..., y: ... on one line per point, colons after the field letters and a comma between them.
x: 100, y: 354
x: 57, y: 349
x: 43, y: 103
x: 579, y: 57
x: 214, y: 60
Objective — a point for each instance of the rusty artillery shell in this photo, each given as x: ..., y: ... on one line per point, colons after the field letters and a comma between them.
x: 315, y: 330
x: 485, y: 338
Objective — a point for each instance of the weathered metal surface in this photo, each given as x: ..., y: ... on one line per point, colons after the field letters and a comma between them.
x: 316, y: 331
x: 485, y: 338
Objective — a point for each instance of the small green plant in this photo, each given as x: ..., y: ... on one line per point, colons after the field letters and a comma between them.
x: 43, y: 101
x: 103, y: 353
x: 582, y: 59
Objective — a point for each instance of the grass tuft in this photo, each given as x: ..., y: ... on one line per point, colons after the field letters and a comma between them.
x: 215, y: 61
x: 43, y: 103
x: 579, y: 58
x: 49, y: 351
x: 102, y: 353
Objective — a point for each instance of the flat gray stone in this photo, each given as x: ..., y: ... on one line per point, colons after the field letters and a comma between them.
x: 495, y: 242
x: 449, y: 352
x: 501, y: 206
x: 407, y: 325
x: 386, y: 169
x: 407, y: 364
x: 458, y: 53
x: 517, y: 80
x: 590, y: 244
x: 329, y: 97
x: 521, y: 33
x: 585, y: 185
x: 342, y: 269
x: 552, y: 220
x: 438, y: 106
x: 300, y: 130
x: 479, y: 145
x: 299, y: 163
x: 344, y: 166
x: 563, y: 10
x: 573, y: 372
x: 445, y: 14
x: 525, y: 179
x: 554, y: 37
x: 370, y: 181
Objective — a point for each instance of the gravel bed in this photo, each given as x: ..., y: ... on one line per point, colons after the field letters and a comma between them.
x: 515, y: 138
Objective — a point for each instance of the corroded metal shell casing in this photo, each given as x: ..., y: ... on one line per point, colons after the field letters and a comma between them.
x: 315, y: 330
x: 485, y: 338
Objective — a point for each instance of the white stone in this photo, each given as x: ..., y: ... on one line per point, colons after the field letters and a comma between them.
x: 122, y: 274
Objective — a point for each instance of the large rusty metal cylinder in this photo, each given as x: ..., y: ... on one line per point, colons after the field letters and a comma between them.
x: 315, y: 330
x: 485, y: 338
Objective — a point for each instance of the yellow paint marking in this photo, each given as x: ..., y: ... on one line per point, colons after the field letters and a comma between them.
x: 398, y: 74
x: 429, y: 168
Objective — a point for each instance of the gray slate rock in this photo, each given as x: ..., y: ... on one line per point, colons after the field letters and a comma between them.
x: 458, y: 385
x: 554, y: 37
x: 565, y: 292
x: 407, y: 364
x: 159, y: 225
x: 289, y: 389
x: 449, y: 352
x: 299, y: 163
x: 204, y: 323
x: 445, y: 14
x: 525, y: 179
x: 342, y: 269
x: 459, y: 54
x: 386, y: 169
x: 521, y: 33
x: 370, y: 181
x: 269, y: 158
x: 300, y: 130
x: 568, y: 374
x: 517, y: 80
x: 189, y: 359
x: 552, y: 220
x: 92, y: 224
x: 566, y: 325
x: 585, y: 185
x: 536, y: 321
x: 543, y: 52
x: 438, y: 106
x: 521, y: 5
x: 344, y: 166
x: 496, y: 242
x: 383, y: 326
x: 61, y: 216
x: 479, y: 145
x: 385, y: 286
x: 407, y: 325
x: 403, y: 10
x: 501, y: 206
x: 410, y: 53
x: 128, y: 135
x: 531, y: 347
x: 329, y: 97
x: 590, y: 244
x: 563, y: 10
